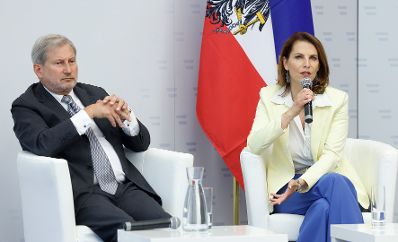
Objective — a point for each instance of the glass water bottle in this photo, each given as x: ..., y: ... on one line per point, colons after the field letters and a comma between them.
x: 195, y: 210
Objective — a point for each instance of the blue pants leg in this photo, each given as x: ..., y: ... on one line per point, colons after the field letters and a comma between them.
x: 332, y: 200
x: 315, y: 224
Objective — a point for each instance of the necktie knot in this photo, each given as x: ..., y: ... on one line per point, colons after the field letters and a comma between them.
x: 72, y: 106
x: 67, y: 99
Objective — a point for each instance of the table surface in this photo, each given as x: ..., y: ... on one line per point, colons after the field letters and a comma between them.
x: 217, y: 233
x: 364, y: 232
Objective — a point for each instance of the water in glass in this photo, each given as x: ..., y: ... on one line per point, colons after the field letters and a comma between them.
x: 209, y: 204
x: 378, y: 208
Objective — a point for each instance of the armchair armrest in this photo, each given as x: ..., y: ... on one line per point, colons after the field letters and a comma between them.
x: 47, y: 200
x: 165, y: 171
x: 254, y: 176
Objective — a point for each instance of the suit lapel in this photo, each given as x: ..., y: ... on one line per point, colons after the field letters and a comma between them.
x: 84, y: 97
x: 323, y: 117
x: 48, y: 100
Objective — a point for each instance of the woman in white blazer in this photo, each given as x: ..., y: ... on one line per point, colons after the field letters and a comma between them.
x: 306, y: 173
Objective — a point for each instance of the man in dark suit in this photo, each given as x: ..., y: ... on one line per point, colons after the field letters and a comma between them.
x: 59, y: 117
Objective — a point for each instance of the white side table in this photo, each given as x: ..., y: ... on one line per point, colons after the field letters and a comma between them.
x: 363, y: 233
x: 241, y: 233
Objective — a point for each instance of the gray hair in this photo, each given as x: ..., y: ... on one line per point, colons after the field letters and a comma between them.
x: 47, y: 42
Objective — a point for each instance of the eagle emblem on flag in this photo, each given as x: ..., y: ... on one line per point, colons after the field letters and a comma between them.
x: 237, y: 16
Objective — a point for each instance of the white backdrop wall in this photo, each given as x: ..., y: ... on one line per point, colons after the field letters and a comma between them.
x: 335, y: 25
x: 378, y: 70
x: 148, y: 53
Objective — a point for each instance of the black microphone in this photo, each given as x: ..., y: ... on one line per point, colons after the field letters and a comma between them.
x: 307, y: 83
x: 172, y: 222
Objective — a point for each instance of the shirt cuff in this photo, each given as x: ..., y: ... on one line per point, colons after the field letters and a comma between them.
x: 81, y: 121
x: 131, y: 128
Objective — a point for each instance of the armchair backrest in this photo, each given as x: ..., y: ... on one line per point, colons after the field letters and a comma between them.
x: 165, y: 171
x: 375, y: 163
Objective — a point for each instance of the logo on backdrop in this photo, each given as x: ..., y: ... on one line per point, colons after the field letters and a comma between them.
x: 237, y: 16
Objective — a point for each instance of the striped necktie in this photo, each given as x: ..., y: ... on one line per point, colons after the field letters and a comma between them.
x: 101, y: 164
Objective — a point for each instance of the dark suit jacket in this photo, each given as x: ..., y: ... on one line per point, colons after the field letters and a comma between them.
x: 43, y: 127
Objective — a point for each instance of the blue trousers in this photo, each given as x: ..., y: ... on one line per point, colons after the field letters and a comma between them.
x: 332, y: 200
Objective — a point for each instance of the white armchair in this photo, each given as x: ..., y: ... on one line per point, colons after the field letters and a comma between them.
x: 376, y: 164
x: 47, y: 200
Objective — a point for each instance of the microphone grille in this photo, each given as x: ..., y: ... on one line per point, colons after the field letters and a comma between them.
x: 306, y: 83
x: 175, y: 222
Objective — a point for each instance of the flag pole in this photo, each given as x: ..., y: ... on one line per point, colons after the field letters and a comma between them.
x: 235, y: 201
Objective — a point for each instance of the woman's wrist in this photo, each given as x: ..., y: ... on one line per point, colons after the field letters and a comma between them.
x: 302, y: 185
x: 299, y: 185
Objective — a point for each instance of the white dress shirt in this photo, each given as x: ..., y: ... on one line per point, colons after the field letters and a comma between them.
x: 299, y: 137
x: 82, y: 122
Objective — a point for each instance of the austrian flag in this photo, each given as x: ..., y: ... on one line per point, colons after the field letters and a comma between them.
x: 238, y: 57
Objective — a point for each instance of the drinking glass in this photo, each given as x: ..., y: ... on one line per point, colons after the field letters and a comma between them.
x: 209, y: 204
x: 378, y: 207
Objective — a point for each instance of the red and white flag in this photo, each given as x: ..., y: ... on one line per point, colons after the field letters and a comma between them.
x: 237, y: 59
